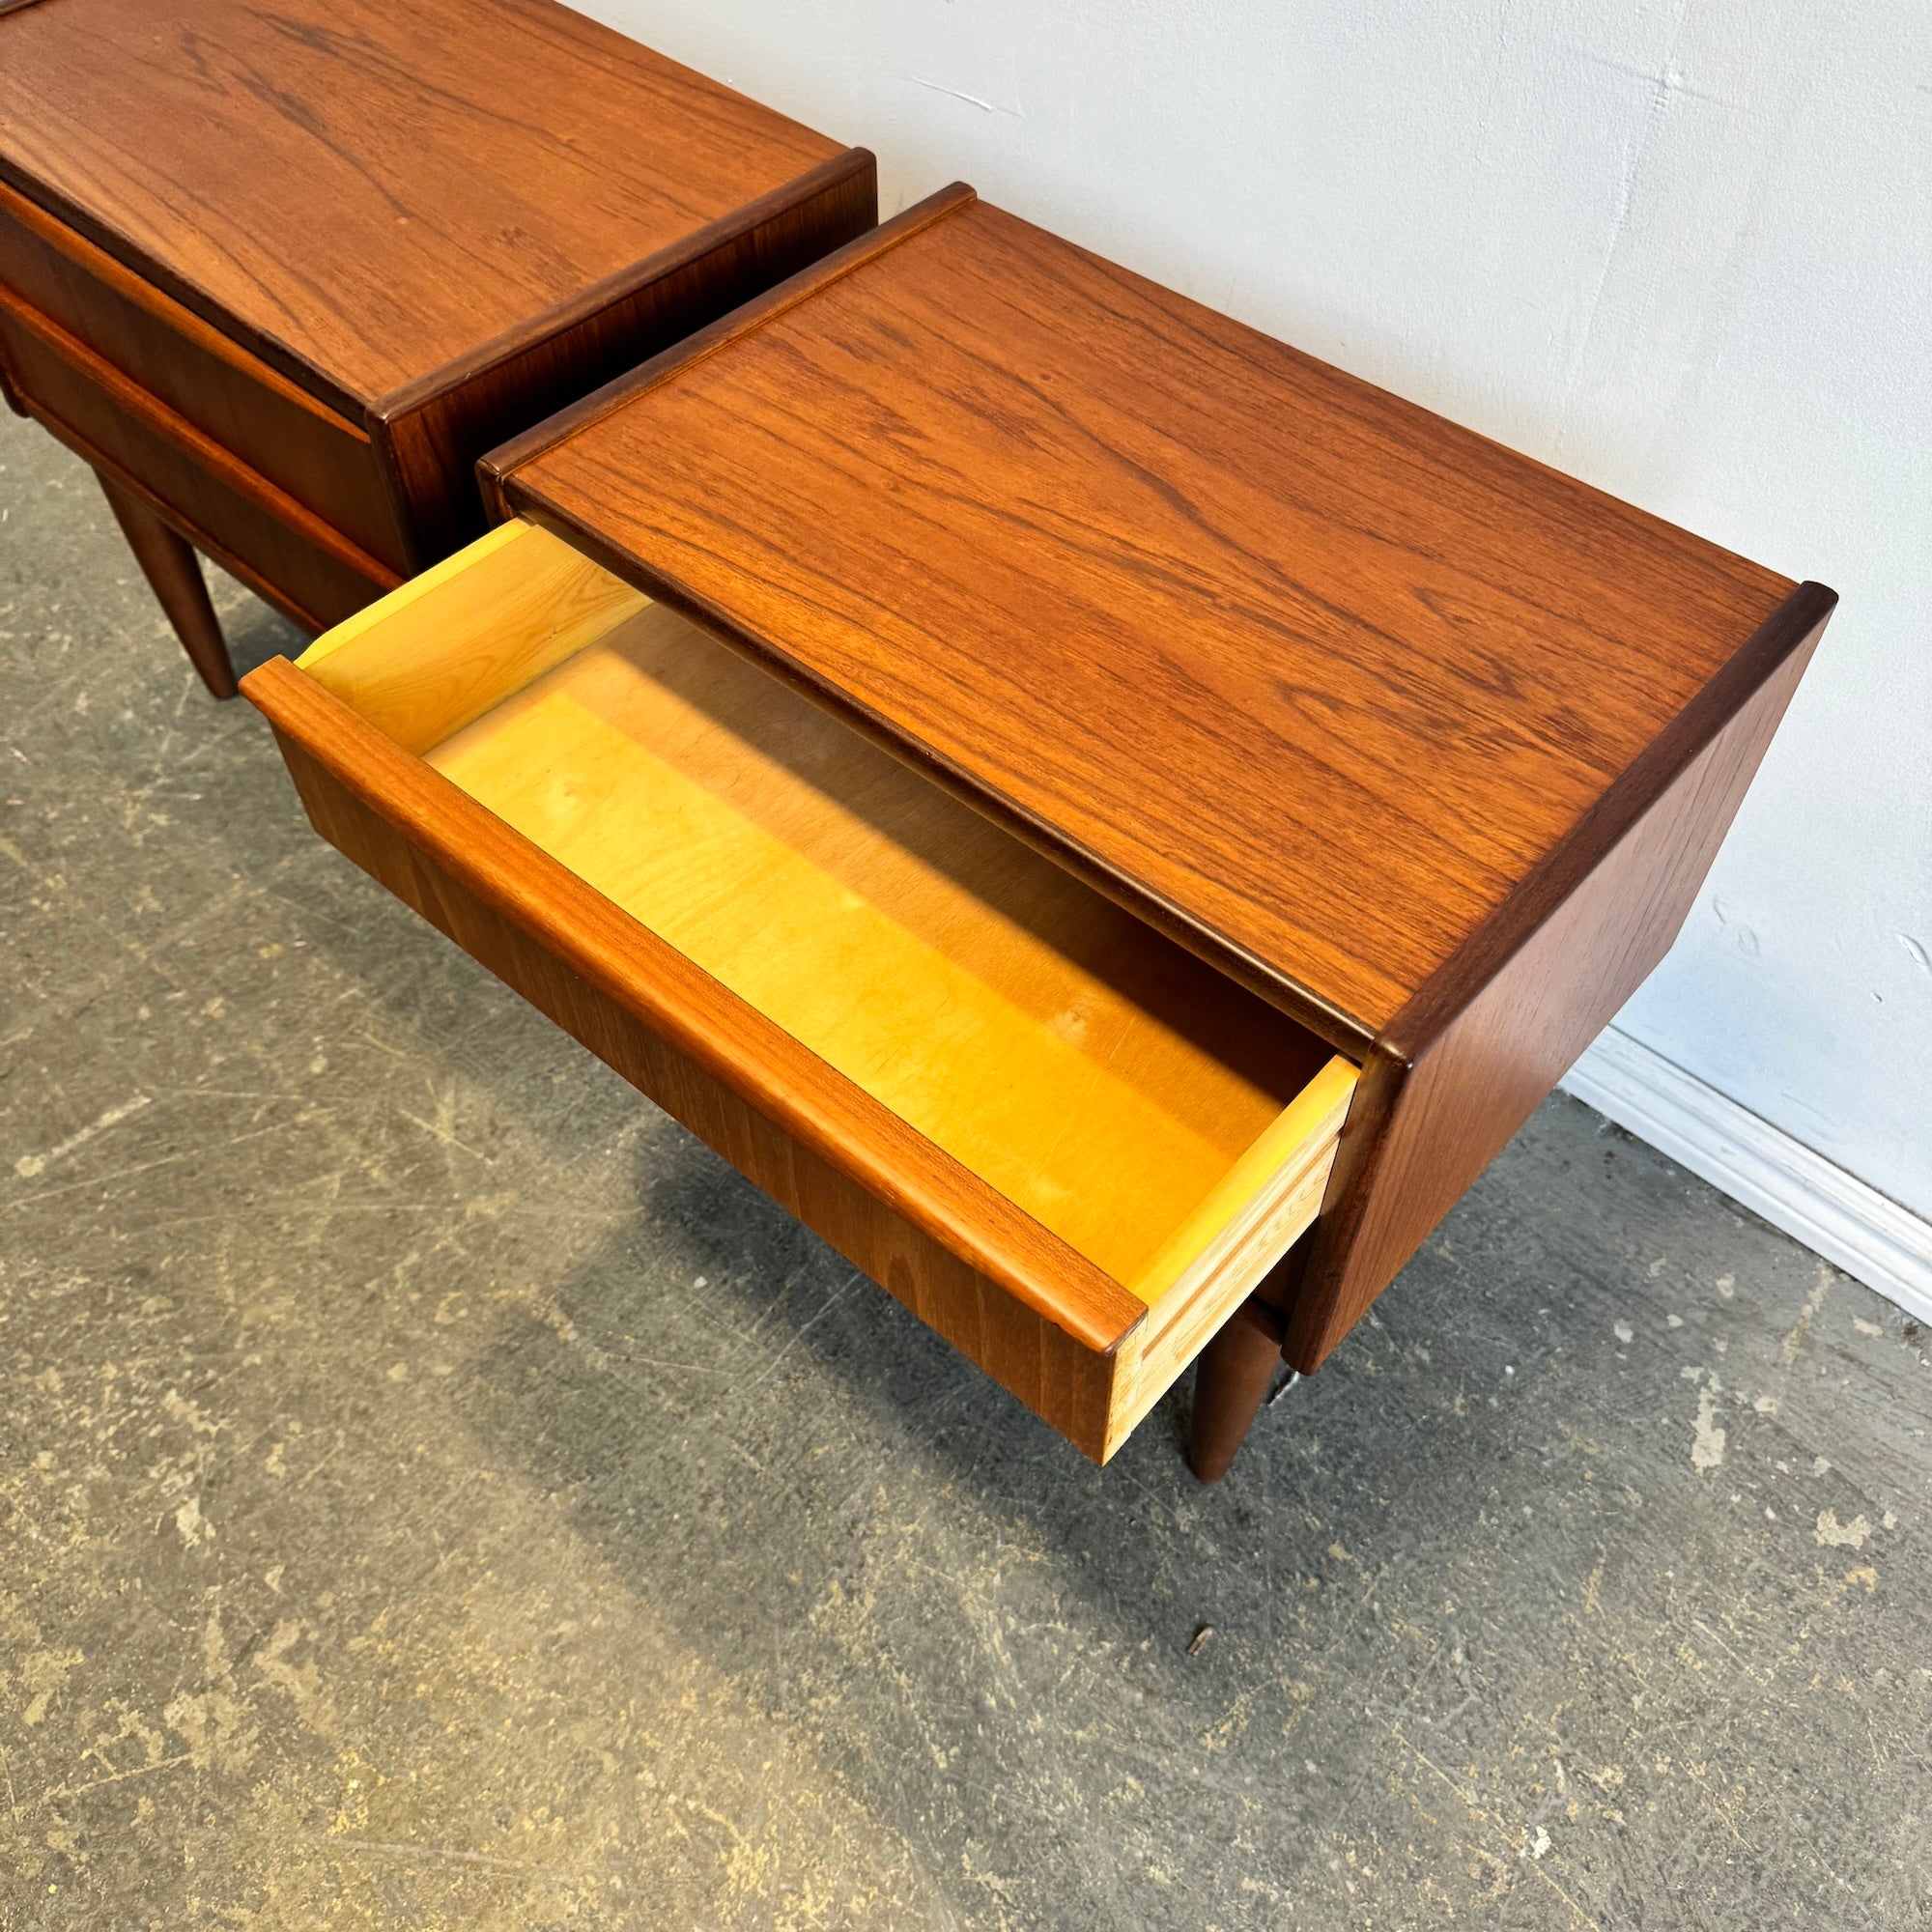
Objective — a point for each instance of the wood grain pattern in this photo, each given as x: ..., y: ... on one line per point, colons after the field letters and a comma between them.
x: 434, y: 431
x: 1432, y: 1115
x: 745, y: 319
x: 363, y: 194
x: 250, y: 529
x: 1300, y: 671
x: 283, y: 434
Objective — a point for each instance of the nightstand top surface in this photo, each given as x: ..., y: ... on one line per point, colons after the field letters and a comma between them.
x: 1312, y: 676
x: 374, y: 189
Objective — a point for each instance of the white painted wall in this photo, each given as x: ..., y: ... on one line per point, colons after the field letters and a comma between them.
x: 1682, y: 249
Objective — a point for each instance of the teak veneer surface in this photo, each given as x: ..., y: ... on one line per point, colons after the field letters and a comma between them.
x: 367, y: 191
x: 1301, y: 671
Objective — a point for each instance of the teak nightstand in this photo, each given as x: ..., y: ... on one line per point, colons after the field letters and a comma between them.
x: 281, y: 273
x: 1112, y: 823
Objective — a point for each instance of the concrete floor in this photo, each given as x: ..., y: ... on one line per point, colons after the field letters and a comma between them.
x: 437, y: 1493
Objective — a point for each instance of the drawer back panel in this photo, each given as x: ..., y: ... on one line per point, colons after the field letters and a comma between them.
x: 318, y: 457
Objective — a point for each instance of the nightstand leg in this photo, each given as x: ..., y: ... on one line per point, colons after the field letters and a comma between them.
x: 173, y: 572
x: 1230, y: 1380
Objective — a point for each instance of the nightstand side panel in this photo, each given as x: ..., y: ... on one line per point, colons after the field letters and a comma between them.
x: 1429, y: 1123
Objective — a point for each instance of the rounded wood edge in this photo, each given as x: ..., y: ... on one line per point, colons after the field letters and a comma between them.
x: 1792, y: 625
x: 495, y: 467
x: 837, y: 171
x: 837, y: 1121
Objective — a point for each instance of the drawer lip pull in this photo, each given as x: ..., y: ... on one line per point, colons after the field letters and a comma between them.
x: 223, y: 464
x: 831, y: 1116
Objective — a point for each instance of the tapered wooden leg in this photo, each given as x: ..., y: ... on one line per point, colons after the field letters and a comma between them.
x: 1230, y: 1380
x: 173, y: 572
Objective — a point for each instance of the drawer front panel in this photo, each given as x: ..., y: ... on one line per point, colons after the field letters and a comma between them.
x: 312, y: 585
x: 319, y: 458
x: 1067, y: 1384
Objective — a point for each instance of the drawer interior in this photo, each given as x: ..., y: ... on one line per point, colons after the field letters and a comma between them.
x: 1123, y: 1094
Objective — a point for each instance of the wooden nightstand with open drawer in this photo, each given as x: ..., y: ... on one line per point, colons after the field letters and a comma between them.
x: 1110, y: 821
x: 281, y: 275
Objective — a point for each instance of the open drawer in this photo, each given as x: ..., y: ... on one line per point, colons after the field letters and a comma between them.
x: 1067, y: 1144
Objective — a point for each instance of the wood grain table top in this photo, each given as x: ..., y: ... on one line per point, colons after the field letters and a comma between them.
x: 1316, y: 680
x: 367, y: 191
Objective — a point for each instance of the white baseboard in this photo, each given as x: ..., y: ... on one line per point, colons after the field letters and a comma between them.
x: 1854, y: 1227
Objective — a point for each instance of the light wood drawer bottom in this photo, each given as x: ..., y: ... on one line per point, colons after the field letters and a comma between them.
x: 1066, y: 1144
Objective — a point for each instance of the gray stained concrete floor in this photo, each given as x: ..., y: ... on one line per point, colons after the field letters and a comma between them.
x: 438, y: 1494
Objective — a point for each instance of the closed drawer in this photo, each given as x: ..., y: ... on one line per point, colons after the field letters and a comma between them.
x: 1066, y: 1144
x: 318, y: 456
x: 301, y: 563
